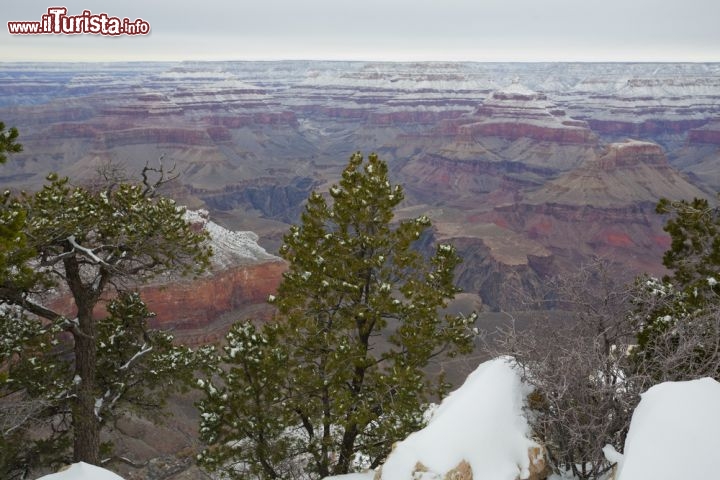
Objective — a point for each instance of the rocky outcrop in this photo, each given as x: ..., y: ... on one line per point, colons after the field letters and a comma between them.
x: 631, y: 154
x: 538, y: 469
x: 514, y: 126
x: 517, y: 112
x: 625, y: 173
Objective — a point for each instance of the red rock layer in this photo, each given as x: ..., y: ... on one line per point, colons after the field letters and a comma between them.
x: 198, y: 303
x: 193, y: 308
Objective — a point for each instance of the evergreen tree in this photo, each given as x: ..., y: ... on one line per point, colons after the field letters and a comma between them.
x: 678, y: 317
x: 14, y: 251
x: 79, y: 369
x: 8, y: 142
x: 694, y: 254
x: 338, y: 377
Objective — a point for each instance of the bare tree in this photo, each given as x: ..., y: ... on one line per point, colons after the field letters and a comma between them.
x: 578, y: 364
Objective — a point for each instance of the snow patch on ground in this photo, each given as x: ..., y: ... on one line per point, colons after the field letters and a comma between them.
x: 482, y: 423
x: 674, y: 433
x: 83, y: 471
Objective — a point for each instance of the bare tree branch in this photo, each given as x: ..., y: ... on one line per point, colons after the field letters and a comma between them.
x: 163, y: 177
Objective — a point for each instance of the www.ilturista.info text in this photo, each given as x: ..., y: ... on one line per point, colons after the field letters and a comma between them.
x: 57, y: 21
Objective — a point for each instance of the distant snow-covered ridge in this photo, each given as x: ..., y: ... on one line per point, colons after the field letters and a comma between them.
x: 229, y: 247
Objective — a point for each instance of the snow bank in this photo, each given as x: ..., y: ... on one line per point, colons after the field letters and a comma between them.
x: 674, y: 433
x: 82, y: 471
x: 353, y: 476
x: 481, y: 423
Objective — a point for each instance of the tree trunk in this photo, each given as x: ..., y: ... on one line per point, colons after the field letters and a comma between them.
x: 86, y: 424
x: 347, y: 446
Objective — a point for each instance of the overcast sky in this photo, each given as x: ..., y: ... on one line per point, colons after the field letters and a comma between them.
x: 479, y: 30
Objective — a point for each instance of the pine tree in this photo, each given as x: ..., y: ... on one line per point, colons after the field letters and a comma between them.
x: 94, y: 243
x: 679, y: 316
x: 8, y: 142
x: 338, y: 377
x: 694, y: 254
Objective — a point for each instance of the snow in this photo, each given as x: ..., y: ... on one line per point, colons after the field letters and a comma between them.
x: 82, y: 471
x: 630, y: 142
x: 482, y: 423
x: 86, y: 251
x: 229, y: 247
x: 144, y: 350
x: 98, y: 406
x: 353, y: 476
x: 673, y: 433
x: 518, y: 89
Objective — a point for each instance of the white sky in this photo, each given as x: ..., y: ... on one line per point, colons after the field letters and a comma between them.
x: 478, y: 30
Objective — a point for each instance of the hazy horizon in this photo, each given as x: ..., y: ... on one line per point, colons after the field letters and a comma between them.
x: 643, y: 31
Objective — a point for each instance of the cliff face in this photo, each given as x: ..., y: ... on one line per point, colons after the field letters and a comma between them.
x: 514, y: 130
x: 200, y: 310
x: 501, y: 283
x: 700, y: 156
